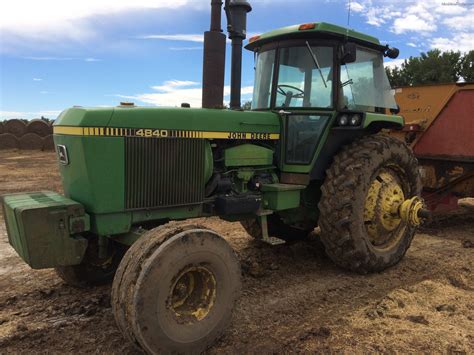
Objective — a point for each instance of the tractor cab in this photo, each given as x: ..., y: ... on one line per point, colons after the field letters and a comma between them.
x: 319, y: 76
x: 319, y: 66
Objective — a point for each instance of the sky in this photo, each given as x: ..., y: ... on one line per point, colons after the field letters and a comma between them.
x: 55, y: 54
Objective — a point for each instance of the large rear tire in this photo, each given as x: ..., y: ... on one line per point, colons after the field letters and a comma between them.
x: 367, y: 179
x: 175, y: 289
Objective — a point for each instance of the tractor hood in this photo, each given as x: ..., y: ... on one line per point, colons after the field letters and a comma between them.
x: 106, y: 154
x: 167, y: 122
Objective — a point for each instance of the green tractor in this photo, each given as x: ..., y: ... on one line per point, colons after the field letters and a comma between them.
x: 310, y: 153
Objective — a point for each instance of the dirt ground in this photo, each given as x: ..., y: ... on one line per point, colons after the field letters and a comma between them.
x: 294, y: 298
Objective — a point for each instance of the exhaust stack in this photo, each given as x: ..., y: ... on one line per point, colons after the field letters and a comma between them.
x: 214, y: 60
x: 236, y: 12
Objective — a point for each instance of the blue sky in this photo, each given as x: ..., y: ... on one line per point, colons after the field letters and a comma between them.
x: 55, y: 53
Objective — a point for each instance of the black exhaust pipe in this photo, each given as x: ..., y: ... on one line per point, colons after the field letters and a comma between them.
x: 214, y: 61
x: 236, y: 11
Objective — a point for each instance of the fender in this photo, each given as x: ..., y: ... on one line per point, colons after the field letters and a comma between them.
x: 378, y: 121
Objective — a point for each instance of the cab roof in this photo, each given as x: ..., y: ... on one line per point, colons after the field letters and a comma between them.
x: 312, y: 30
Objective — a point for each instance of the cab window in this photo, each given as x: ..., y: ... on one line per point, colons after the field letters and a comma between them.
x: 300, y: 82
x: 303, y: 135
x: 263, y: 80
x: 364, y: 83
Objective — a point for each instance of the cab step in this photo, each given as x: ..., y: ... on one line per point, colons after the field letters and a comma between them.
x: 273, y: 241
x: 263, y: 222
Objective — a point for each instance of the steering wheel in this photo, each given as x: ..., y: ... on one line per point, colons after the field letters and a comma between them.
x: 298, y: 95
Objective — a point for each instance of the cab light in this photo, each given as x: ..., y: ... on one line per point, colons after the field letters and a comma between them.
x: 307, y: 26
x: 343, y: 120
x: 254, y: 38
x: 355, y: 120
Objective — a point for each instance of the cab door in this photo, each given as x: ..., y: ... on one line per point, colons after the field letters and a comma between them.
x: 303, y: 136
x: 304, y: 96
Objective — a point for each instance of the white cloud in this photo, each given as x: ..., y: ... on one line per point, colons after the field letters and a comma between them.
x: 6, y: 115
x: 196, y: 38
x: 48, y: 58
x: 50, y: 21
x: 174, y: 92
x: 92, y: 60
x: 373, y: 17
x: 356, y: 7
x: 447, y: 25
x: 185, y: 48
x: 44, y: 92
x: 176, y: 37
x: 461, y: 23
x: 463, y: 42
x: 37, y: 79
x: 62, y: 59
x: 454, y: 7
x: 380, y: 15
x: 395, y: 63
x: 412, y: 23
x: 172, y: 85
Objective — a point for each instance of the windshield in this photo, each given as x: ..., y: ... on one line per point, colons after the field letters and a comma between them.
x: 300, y: 82
x: 364, y: 83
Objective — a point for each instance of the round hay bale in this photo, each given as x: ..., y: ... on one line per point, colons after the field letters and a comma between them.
x: 31, y: 141
x: 8, y: 141
x: 40, y: 127
x: 15, y: 126
x: 48, y: 142
x: 2, y: 129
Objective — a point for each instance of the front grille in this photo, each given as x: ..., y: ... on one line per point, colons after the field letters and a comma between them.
x: 163, y: 172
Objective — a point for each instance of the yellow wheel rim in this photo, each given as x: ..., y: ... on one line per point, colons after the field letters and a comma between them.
x: 193, y: 294
x: 381, y: 211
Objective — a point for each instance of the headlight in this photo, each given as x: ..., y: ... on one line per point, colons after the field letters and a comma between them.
x: 62, y: 154
x: 355, y: 120
x: 343, y: 120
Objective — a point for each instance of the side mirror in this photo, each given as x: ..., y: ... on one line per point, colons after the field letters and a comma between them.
x: 349, y: 55
x: 390, y: 52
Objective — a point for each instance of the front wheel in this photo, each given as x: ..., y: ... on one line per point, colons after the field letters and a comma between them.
x: 364, y: 189
x: 175, y: 289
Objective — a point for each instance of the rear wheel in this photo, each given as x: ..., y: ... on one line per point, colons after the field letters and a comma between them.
x: 175, y: 289
x: 364, y: 189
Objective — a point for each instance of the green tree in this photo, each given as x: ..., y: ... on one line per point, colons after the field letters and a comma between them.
x: 467, y: 66
x: 397, y: 76
x: 433, y: 67
x: 247, y: 105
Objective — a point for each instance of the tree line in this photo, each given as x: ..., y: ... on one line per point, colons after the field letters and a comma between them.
x: 433, y: 67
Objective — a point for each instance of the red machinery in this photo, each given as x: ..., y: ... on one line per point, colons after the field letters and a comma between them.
x: 439, y: 126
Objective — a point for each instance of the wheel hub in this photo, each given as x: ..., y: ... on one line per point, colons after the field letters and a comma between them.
x: 410, y: 210
x: 381, y: 216
x: 193, y: 294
